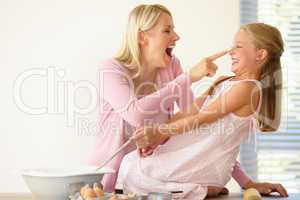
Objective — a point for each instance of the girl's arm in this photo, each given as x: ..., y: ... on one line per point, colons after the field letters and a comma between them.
x: 229, y: 101
x: 185, y: 111
x: 240, y: 175
x: 195, y: 106
x: 263, y: 188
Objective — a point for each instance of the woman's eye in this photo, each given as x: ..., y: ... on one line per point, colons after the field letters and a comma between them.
x: 167, y: 31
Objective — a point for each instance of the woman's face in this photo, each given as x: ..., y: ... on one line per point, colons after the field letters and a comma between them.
x: 243, y: 53
x: 159, y: 42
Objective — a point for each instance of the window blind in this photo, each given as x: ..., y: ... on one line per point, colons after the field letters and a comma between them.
x: 248, y: 156
x: 275, y: 157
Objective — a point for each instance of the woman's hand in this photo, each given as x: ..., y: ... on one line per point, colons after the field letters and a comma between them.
x: 148, y: 138
x: 213, y: 191
x: 205, y: 67
x: 144, y: 152
x: 267, y: 188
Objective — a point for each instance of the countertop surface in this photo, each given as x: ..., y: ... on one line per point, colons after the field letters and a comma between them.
x: 233, y: 196
x: 239, y: 196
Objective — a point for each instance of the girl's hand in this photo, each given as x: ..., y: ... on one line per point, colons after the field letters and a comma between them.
x: 213, y: 191
x: 267, y: 188
x: 205, y: 67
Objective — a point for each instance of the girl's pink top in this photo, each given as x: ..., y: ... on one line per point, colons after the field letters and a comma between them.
x: 120, y: 109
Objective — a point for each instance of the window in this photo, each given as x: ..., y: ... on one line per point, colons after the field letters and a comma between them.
x: 276, y: 157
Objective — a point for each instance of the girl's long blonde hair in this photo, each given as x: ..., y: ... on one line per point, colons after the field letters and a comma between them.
x: 141, y: 18
x: 269, y: 38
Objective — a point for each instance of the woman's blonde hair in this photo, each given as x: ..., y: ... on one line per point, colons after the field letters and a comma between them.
x: 141, y: 18
x: 269, y: 38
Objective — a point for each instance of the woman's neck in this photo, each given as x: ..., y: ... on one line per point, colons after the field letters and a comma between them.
x: 148, y: 72
x: 145, y: 83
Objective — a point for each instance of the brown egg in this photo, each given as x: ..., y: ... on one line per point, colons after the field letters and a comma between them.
x: 82, y: 190
x: 89, y: 193
x: 99, y: 192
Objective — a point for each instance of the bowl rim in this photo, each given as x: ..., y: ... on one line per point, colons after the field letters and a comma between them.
x: 40, y: 172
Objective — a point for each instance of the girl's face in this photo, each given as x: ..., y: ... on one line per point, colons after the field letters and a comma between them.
x: 244, y: 55
x: 158, y: 42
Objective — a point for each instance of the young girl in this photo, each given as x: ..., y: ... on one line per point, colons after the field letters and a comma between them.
x: 203, y: 147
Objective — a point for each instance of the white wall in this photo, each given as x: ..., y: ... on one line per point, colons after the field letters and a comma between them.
x: 72, y: 37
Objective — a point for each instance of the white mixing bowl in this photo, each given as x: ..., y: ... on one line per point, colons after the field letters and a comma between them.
x: 55, y: 184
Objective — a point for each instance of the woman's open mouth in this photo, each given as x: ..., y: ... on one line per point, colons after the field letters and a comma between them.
x: 169, y: 50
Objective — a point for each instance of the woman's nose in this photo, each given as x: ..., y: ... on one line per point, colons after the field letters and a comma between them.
x: 176, y: 36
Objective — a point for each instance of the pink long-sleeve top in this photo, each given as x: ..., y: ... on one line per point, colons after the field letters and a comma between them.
x: 120, y: 109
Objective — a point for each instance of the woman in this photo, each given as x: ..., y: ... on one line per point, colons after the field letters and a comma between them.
x: 252, y: 95
x: 140, y: 85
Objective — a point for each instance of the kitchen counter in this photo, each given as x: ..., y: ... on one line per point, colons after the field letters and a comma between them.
x: 233, y: 196
x: 238, y: 196
x: 18, y: 196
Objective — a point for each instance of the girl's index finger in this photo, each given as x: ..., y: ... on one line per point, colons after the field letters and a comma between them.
x: 217, y: 55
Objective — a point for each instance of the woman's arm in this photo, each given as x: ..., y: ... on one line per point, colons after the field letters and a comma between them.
x: 206, y: 67
x: 117, y: 89
x: 186, y: 98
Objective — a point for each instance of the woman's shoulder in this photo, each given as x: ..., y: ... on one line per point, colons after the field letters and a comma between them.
x: 111, y: 64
